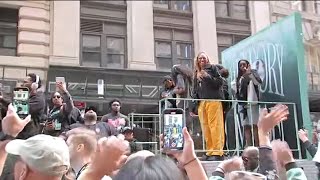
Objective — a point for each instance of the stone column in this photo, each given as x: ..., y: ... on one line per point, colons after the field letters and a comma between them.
x: 140, y: 35
x: 260, y: 15
x: 204, y: 29
x: 65, y: 33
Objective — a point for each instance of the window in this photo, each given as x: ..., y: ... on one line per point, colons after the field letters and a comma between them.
x: 227, y: 40
x: 103, y: 44
x: 173, y: 47
x: 173, y: 5
x: 317, y: 6
x: 8, y: 31
x: 233, y: 9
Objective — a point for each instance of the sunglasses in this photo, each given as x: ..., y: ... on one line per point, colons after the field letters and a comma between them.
x: 246, y: 159
x: 58, y: 97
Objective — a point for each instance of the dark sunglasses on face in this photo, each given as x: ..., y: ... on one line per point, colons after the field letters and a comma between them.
x: 58, y: 97
x: 246, y: 159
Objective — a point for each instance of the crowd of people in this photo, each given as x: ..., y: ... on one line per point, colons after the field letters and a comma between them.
x: 54, y: 142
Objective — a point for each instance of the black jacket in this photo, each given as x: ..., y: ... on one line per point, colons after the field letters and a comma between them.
x: 210, y: 87
x: 37, y: 104
x: 242, y: 87
x: 311, y: 148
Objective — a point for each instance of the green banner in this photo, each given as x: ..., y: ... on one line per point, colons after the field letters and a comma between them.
x: 277, y: 53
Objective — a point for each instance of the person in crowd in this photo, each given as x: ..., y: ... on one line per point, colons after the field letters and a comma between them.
x: 34, y: 155
x: 303, y: 136
x: 225, y: 105
x: 208, y: 85
x: 128, y: 136
x: 115, y: 118
x: 58, y: 118
x: 247, y: 89
x: 182, y: 78
x: 154, y: 167
x: 225, y: 75
x: 250, y: 158
x: 75, y: 116
x: 102, y: 129
x: 167, y: 92
x: 82, y: 146
x: 40, y: 157
x: 37, y: 104
x: 283, y: 155
x: 142, y: 153
x: 267, y: 165
x: 159, y: 167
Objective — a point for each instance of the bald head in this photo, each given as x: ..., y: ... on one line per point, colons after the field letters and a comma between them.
x: 250, y: 157
x: 251, y: 151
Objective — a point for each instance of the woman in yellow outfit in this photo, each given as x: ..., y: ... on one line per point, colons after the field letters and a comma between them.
x: 208, y: 85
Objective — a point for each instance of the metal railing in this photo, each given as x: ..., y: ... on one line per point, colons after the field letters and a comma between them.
x: 150, y: 121
x: 238, y: 128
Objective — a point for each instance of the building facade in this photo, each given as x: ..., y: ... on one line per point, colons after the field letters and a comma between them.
x: 127, y: 46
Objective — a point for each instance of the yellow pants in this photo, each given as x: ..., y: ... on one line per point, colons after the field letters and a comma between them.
x: 212, y: 124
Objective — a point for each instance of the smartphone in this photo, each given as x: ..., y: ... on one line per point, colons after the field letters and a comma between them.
x: 20, y: 101
x: 172, y: 124
x: 60, y: 79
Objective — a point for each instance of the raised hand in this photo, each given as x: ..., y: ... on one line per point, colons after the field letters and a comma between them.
x: 188, y: 153
x: 12, y: 124
x: 267, y: 121
x: 61, y: 86
x: 303, y: 135
x: 109, y: 156
x: 282, y: 152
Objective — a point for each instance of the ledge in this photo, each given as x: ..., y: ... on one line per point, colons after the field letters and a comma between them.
x: 64, y: 61
x: 16, y: 61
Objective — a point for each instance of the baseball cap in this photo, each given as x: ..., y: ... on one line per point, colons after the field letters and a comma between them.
x: 125, y: 129
x: 46, y: 154
x: 90, y: 108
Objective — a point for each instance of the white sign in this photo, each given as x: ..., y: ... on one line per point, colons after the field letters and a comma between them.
x: 100, y: 87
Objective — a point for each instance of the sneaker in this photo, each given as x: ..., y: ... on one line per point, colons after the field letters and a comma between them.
x: 215, y: 158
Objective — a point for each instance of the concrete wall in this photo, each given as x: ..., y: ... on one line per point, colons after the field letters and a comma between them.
x: 33, y: 39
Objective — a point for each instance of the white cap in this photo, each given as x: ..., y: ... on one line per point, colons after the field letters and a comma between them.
x: 46, y: 154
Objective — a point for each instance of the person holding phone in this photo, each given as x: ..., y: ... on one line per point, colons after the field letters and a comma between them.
x: 62, y: 106
x: 208, y: 85
x: 37, y: 105
x: 247, y: 86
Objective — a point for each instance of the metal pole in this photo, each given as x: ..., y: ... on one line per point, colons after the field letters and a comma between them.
x: 296, y: 126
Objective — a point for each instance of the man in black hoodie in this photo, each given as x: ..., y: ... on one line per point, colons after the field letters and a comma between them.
x: 36, y: 106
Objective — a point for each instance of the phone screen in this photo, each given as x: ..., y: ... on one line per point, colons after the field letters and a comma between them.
x: 20, y: 101
x: 172, y: 127
x: 60, y: 79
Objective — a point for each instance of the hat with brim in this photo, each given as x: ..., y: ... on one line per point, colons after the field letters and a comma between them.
x: 127, y: 129
x: 46, y: 154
